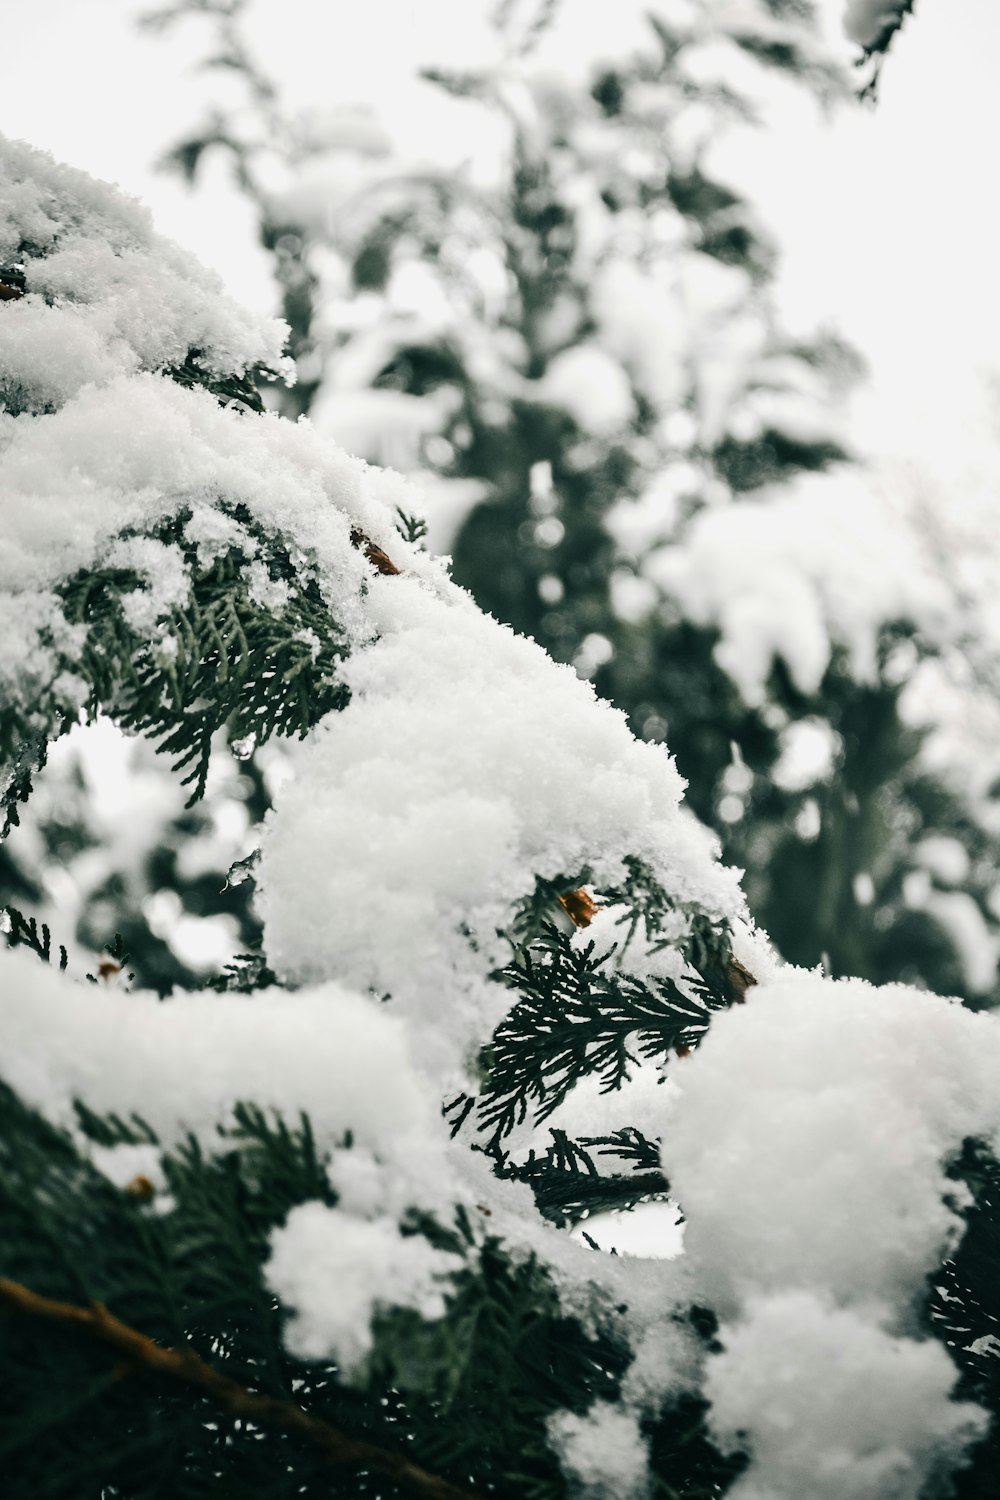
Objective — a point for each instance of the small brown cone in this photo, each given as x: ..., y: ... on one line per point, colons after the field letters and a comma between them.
x: 739, y: 979
x: 580, y: 907
x: 141, y: 1189
x: 379, y: 560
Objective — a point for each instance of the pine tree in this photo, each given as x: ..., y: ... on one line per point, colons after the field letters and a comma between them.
x: 648, y: 476
x: 304, y: 1230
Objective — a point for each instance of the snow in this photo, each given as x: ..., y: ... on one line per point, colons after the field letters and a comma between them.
x: 977, y: 947
x: 124, y: 1163
x: 780, y: 1186
x: 833, y: 1407
x: 808, y: 1137
x: 122, y: 297
x: 808, y: 754
x: 642, y: 325
x: 335, y: 1272
x: 430, y: 803
x: 183, y: 1065
x: 807, y: 1142
x: 164, y: 577
x: 796, y: 573
x: 592, y: 387
x: 603, y: 1451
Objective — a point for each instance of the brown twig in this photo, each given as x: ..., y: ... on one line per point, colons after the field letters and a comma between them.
x: 579, y: 906
x: 188, y: 1367
x: 379, y: 560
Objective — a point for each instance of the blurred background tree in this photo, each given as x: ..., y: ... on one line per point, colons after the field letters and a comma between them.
x: 561, y: 321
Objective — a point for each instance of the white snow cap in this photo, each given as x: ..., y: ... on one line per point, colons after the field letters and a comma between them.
x: 833, y: 1407
x: 808, y: 1134
x: 824, y: 563
x: 603, y: 1451
x: 335, y: 1271
x: 807, y: 1145
x: 182, y: 1065
x: 106, y: 295
x: 467, y: 764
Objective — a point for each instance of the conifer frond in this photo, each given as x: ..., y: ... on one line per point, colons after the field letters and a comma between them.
x: 569, y: 1185
x: 190, y: 1370
x: 576, y: 1017
x: 22, y: 931
x: 221, y: 658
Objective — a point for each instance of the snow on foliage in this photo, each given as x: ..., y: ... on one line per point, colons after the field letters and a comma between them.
x: 806, y: 1139
x: 334, y: 1271
x: 106, y: 294
x: 603, y: 1451
x: 816, y: 1204
x: 419, y: 817
x: 802, y: 1200
x: 877, y: 1421
x: 183, y: 1066
x: 798, y: 573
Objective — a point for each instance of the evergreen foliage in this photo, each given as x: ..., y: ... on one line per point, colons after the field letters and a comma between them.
x: 963, y: 1309
x: 504, y: 1356
x: 249, y: 651
x: 467, y: 1397
x: 254, y: 673
x: 547, y: 542
x: 572, y: 1019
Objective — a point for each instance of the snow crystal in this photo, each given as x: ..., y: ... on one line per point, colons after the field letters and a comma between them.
x: 335, y: 1272
x: 267, y: 592
x: 833, y: 1407
x: 603, y: 1451
x: 48, y: 354
x: 33, y: 630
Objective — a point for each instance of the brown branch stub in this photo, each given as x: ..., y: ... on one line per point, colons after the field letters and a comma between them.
x: 187, y: 1367
x: 379, y: 560
x: 580, y: 906
x: 738, y: 980
x: 9, y: 293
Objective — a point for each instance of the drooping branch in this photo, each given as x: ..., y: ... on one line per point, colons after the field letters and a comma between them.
x: 188, y: 1368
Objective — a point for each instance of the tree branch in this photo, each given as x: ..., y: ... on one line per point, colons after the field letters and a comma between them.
x: 188, y: 1367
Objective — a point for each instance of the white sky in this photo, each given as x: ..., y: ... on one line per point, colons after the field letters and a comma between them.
x: 887, y: 217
